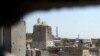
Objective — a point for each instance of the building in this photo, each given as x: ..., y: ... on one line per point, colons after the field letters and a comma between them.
x: 42, y: 35
x: 94, y: 52
x: 57, y: 42
x: 40, y: 39
x: 14, y: 38
x: 66, y: 51
x: 86, y: 52
x: 29, y: 40
x: 87, y: 43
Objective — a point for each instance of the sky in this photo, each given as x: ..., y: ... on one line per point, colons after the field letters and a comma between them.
x: 84, y: 21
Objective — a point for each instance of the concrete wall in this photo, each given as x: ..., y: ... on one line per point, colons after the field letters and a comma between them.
x: 18, y: 37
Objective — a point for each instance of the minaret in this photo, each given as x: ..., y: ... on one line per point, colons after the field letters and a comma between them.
x: 78, y: 36
x: 57, y: 32
x: 38, y: 21
x: 79, y: 41
x: 42, y: 36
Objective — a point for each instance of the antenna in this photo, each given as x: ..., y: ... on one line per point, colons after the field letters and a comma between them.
x: 56, y: 31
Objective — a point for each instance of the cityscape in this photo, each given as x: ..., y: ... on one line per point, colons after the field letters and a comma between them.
x: 50, y: 28
x: 42, y: 42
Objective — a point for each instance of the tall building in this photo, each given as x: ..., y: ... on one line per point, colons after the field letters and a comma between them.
x: 14, y: 38
x: 42, y: 36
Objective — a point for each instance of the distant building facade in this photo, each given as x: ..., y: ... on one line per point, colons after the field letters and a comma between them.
x: 86, y: 52
x: 29, y: 40
x: 66, y: 51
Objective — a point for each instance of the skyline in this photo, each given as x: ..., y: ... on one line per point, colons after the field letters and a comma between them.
x: 70, y: 21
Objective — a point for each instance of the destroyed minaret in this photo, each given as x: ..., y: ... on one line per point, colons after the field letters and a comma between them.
x: 42, y: 35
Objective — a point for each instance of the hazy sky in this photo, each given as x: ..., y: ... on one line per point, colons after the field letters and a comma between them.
x: 70, y: 21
